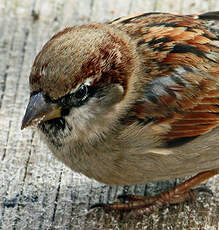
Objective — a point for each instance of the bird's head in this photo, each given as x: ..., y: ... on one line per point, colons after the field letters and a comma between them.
x: 81, y: 81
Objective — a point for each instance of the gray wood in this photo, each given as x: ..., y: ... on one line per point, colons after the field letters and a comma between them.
x: 37, y: 191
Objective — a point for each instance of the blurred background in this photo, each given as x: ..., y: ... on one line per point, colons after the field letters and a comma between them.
x: 37, y: 191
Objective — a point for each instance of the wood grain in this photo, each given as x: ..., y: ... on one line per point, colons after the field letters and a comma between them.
x: 37, y: 191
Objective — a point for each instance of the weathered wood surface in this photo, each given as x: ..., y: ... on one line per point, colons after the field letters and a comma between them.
x: 37, y: 191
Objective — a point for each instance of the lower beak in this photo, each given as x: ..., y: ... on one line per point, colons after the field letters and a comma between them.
x: 39, y: 110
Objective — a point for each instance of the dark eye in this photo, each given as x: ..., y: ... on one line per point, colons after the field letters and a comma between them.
x: 81, y: 93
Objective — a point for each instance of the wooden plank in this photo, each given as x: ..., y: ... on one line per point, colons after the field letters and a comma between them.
x: 37, y: 191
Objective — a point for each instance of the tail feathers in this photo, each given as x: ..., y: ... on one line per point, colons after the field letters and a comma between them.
x: 212, y: 21
x: 214, y: 15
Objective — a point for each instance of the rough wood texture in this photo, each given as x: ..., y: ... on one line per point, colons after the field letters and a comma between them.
x: 37, y: 191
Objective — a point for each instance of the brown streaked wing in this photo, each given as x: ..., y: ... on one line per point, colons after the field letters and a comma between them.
x: 180, y: 111
x: 181, y: 62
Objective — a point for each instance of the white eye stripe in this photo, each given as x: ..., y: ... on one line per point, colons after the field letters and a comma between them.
x: 87, y: 82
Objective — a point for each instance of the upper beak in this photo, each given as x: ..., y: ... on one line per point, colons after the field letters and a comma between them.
x: 39, y: 110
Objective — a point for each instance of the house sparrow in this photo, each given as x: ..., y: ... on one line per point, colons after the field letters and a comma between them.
x: 132, y: 101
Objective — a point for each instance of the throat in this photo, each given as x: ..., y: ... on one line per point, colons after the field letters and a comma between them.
x: 55, y: 131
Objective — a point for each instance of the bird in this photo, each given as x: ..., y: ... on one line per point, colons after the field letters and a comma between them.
x: 132, y: 101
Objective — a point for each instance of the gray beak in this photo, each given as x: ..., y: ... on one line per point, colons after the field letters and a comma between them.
x: 39, y: 110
